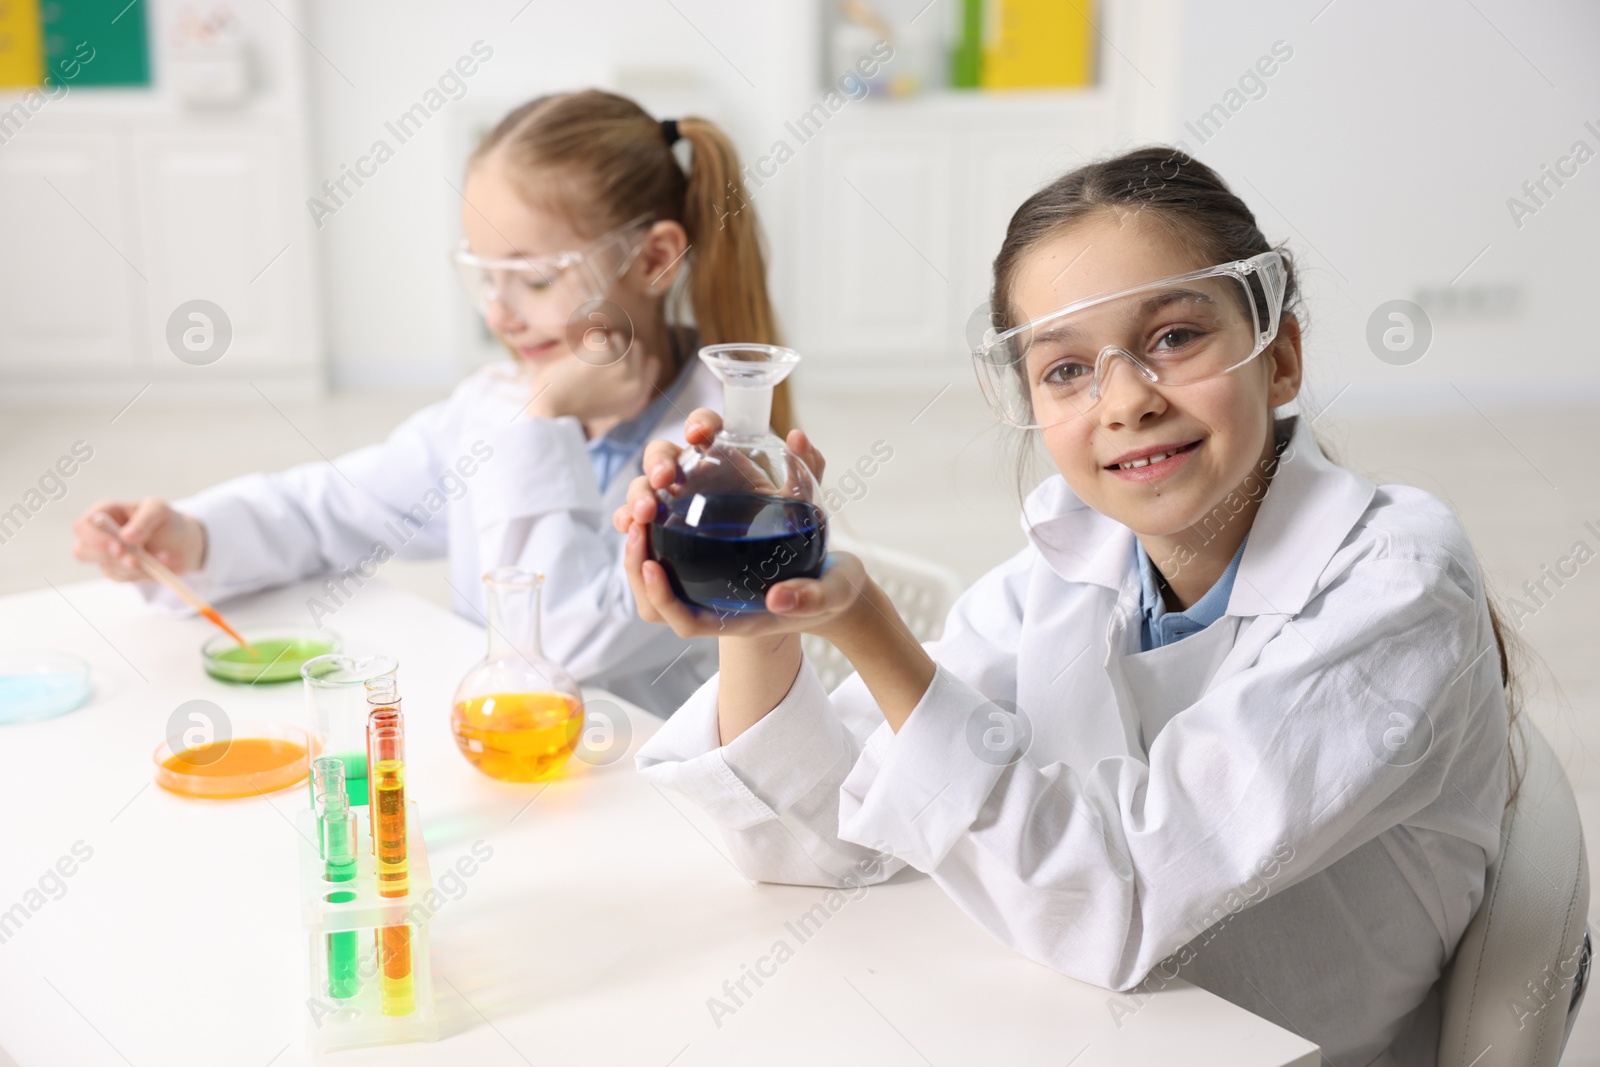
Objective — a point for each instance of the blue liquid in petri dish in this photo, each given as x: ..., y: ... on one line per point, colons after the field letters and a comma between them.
x: 740, y: 545
x: 25, y: 697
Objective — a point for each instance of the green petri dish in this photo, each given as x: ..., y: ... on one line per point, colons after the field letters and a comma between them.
x: 278, y: 652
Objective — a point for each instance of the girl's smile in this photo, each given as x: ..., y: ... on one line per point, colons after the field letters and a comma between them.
x: 535, y: 352
x: 1150, y: 464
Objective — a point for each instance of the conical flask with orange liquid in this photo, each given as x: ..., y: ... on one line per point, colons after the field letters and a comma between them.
x: 517, y: 716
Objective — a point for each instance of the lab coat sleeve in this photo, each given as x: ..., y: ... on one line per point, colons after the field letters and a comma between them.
x: 775, y: 789
x: 541, y: 509
x: 349, y: 513
x: 1274, y: 774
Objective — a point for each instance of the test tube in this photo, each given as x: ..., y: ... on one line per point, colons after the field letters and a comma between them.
x: 383, y: 696
x: 338, y: 825
x: 327, y: 780
x: 381, y: 718
x: 322, y: 770
x: 389, y: 807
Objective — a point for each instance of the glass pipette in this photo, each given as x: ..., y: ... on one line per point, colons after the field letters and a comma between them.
x: 159, y: 571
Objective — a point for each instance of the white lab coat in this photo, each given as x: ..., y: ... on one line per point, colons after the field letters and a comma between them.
x: 488, y: 485
x: 1229, y: 809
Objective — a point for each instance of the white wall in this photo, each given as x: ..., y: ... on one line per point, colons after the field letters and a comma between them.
x: 1384, y: 150
x: 391, y: 309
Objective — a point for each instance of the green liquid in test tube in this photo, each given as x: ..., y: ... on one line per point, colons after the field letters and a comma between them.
x: 339, y: 833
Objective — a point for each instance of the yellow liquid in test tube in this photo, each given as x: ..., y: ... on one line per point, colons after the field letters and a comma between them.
x: 394, y: 942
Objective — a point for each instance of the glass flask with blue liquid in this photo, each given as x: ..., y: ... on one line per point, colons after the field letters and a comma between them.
x: 747, y: 512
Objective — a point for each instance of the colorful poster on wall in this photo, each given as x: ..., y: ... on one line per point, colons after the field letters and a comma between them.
x: 113, y: 31
x: 1038, y: 44
x: 21, y: 51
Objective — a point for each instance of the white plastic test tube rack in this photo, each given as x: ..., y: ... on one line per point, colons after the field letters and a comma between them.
x: 333, y: 1023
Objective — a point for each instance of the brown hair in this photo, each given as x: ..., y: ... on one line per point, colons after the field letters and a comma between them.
x: 602, y: 160
x: 1191, y: 203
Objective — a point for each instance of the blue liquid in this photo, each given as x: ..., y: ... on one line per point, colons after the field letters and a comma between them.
x: 741, y: 545
x: 26, y: 697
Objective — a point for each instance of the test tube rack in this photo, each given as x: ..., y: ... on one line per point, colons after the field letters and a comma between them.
x: 334, y: 1024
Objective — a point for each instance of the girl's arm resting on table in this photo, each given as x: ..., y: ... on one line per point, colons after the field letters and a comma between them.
x: 774, y: 789
x: 1271, y: 776
x: 269, y: 529
x: 773, y: 783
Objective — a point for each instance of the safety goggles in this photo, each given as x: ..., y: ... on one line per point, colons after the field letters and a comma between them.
x: 545, y: 291
x: 1174, y: 331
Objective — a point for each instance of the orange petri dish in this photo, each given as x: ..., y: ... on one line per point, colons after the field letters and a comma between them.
x: 274, y: 756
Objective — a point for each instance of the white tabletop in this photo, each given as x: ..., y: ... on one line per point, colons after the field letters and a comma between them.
x: 605, y: 919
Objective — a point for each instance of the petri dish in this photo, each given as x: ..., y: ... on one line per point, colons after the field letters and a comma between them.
x: 281, y: 649
x: 270, y: 757
x: 41, y: 685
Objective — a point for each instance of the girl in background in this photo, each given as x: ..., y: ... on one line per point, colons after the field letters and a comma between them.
x: 1235, y: 714
x: 584, y: 236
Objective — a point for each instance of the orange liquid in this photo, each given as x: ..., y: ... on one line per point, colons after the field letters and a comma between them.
x: 518, y: 737
x: 262, y: 763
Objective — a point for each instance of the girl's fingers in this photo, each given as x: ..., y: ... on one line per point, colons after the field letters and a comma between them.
x: 92, y: 544
x: 832, y: 592
x: 144, y: 522
x: 672, y: 611
x: 634, y: 558
x: 626, y: 513
x: 793, y: 598
x: 119, y: 571
x: 660, y: 465
x: 801, y: 446
x: 689, y: 621
x: 701, y: 426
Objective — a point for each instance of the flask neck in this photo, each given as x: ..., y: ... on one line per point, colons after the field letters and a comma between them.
x: 511, y: 606
x: 747, y: 410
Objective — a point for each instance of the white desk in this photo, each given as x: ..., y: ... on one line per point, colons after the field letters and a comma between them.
x: 606, y: 917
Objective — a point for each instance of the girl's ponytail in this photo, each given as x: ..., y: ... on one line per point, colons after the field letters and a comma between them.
x: 603, y: 160
x: 728, y: 276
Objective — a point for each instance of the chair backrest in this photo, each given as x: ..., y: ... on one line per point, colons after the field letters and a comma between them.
x: 922, y: 591
x: 1510, y: 982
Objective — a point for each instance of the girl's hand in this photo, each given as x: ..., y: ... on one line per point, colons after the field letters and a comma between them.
x: 593, y: 386
x: 176, y: 539
x: 810, y: 605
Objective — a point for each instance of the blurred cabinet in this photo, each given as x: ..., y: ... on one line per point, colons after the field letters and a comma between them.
x: 901, y: 204
x: 908, y: 202
x: 119, y: 206
x: 69, y: 299
x: 881, y: 259
x: 220, y: 211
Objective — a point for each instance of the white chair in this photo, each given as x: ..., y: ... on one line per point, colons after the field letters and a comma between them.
x: 922, y: 591
x: 1517, y: 980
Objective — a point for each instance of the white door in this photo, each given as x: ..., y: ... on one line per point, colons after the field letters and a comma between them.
x: 72, y: 279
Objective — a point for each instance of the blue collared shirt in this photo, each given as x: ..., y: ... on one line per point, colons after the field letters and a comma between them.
x: 1160, y: 627
x: 611, y: 451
